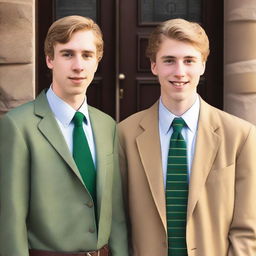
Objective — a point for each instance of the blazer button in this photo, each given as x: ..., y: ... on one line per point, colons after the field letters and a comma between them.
x: 91, y: 230
x: 89, y: 204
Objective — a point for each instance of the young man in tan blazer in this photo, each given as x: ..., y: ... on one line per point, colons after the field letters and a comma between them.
x: 220, y: 218
x: 47, y: 202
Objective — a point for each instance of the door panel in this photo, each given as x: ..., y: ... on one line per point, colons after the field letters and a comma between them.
x: 79, y: 7
x: 140, y: 88
x: 126, y: 26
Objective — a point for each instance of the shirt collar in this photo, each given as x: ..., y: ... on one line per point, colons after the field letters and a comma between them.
x: 62, y: 110
x: 190, y: 116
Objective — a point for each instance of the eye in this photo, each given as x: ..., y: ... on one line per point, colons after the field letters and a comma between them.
x: 67, y: 54
x: 86, y: 55
x: 168, y: 61
x: 189, y: 61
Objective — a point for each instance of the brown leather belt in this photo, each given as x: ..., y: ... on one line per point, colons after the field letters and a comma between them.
x: 104, y: 251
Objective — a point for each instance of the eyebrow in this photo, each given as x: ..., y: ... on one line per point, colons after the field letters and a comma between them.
x: 173, y: 57
x: 72, y: 51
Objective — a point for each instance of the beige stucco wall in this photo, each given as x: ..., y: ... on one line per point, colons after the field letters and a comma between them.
x: 17, y: 53
x: 240, y: 58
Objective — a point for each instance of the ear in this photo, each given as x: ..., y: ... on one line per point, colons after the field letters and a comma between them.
x: 49, y: 62
x: 203, y: 68
x: 154, y: 68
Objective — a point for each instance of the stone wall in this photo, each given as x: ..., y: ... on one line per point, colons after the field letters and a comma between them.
x: 240, y: 58
x: 17, y: 53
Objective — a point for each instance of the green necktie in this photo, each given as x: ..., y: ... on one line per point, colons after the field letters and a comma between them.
x: 177, y: 191
x: 82, y: 155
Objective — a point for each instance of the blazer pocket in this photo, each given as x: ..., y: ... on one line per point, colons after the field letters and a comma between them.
x: 222, y: 174
x: 219, y: 193
x: 220, y: 183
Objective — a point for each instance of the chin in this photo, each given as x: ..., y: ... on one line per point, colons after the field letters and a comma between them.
x: 78, y: 92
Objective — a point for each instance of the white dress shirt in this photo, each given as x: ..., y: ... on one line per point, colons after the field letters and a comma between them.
x: 64, y: 114
x: 189, y: 132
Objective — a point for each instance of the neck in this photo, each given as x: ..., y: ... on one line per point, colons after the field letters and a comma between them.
x: 178, y: 108
x: 75, y: 103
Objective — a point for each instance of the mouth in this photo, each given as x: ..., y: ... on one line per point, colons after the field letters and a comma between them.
x: 77, y: 79
x: 178, y: 84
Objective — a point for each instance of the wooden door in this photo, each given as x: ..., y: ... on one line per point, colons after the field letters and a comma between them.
x: 123, y: 83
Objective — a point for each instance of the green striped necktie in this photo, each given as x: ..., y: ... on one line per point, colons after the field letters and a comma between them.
x: 82, y: 155
x: 177, y: 191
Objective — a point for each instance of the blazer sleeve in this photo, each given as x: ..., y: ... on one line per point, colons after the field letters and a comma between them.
x: 14, y: 189
x: 118, y: 237
x: 242, y: 234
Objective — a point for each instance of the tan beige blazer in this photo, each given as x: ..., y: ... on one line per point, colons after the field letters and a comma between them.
x: 221, y: 216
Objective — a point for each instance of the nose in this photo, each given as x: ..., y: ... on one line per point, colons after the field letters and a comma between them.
x: 77, y: 64
x: 180, y: 69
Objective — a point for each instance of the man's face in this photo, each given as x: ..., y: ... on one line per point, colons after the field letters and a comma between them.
x: 73, y: 65
x: 178, y: 66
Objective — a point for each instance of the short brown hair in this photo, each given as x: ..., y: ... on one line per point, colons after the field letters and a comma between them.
x: 181, y: 30
x: 62, y: 30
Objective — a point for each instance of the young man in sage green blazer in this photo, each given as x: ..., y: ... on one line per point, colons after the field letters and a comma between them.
x: 45, y: 206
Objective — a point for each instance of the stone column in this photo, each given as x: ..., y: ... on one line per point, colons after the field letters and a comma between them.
x: 17, y: 53
x: 240, y: 58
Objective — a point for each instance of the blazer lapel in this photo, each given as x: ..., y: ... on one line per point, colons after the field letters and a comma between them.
x: 99, y: 138
x: 105, y: 161
x: 102, y: 155
x: 207, y: 144
x: 148, y: 143
x: 50, y: 129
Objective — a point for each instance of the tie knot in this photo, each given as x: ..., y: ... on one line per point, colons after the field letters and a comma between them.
x: 78, y: 118
x: 177, y: 124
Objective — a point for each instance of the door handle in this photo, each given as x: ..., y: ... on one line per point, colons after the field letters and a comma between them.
x: 121, y: 76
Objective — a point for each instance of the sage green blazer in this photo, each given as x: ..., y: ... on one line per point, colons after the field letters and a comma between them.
x: 44, y: 203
